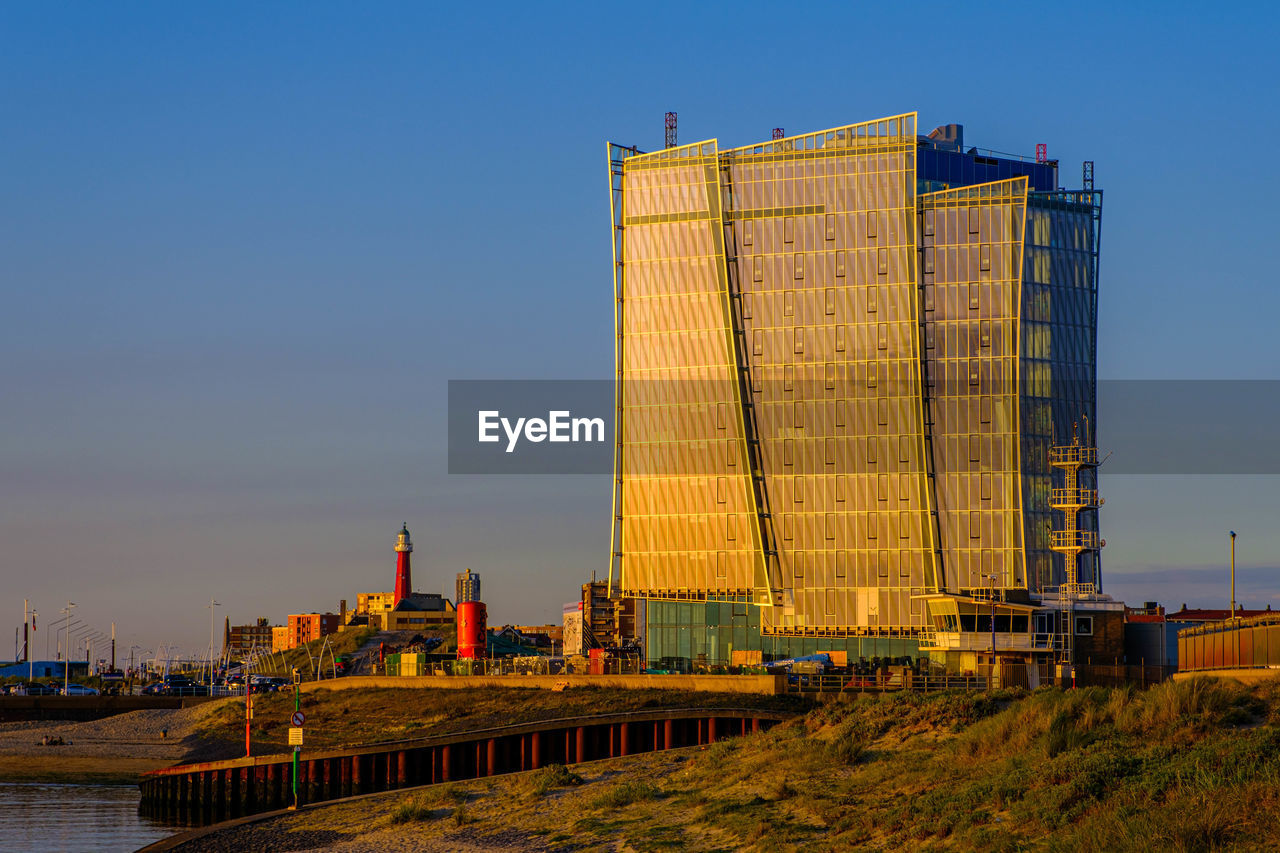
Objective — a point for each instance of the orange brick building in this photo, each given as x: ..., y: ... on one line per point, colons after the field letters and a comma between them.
x: 305, y: 627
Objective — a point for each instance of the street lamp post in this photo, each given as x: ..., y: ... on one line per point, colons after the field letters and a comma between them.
x: 213, y: 628
x: 31, y: 665
x: 82, y: 636
x: 58, y: 635
x: 991, y: 672
x: 1233, y: 574
x: 66, y: 663
x: 1235, y: 628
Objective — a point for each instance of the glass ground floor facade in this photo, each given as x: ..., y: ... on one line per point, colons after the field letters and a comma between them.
x: 687, y: 636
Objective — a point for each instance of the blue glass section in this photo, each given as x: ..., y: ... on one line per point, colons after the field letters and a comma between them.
x: 962, y: 169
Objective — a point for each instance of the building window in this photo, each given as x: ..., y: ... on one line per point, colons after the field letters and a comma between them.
x: 1084, y: 626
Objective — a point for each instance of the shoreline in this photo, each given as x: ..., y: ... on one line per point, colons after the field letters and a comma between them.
x: 71, y: 769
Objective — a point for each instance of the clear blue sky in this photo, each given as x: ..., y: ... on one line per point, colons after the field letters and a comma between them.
x: 244, y: 246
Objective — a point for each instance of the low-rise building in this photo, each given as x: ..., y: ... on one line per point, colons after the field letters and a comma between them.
x: 418, y: 612
x: 372, y: 604
x: 606, y: 622
x: 305, y: 627
x: 244, y: 639
x: 280, y: 638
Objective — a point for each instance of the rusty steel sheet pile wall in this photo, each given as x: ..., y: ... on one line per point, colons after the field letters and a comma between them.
x: 199, y: 794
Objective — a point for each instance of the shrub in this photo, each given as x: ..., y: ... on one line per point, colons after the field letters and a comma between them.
x: 411, y: 809
x: 453, y: 792
x: 846, y: 748
x: 1064, y: 734
x: 552, y: 776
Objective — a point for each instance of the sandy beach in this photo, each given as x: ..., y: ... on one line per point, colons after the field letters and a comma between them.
x: 117, y: 748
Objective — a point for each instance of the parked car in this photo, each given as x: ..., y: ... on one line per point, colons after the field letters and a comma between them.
x: 155, y: 689
x: 79, y: 690
x: 176, y: 685
x: 33, y: 688
x: 262, y: 684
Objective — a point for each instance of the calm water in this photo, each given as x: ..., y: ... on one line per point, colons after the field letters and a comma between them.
x: 74, y: 818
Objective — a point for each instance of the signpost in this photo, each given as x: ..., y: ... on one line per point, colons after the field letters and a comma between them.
x: 295, y: 732
x: 248, y: 717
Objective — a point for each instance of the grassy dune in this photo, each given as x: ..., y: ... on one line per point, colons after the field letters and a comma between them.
x: 1184, y: 766
x: 337, y: 718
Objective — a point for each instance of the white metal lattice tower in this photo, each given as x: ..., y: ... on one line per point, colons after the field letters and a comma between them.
x: 1072, y: 540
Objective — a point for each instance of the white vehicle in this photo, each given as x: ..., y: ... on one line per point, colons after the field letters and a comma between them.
x: 78, y: 690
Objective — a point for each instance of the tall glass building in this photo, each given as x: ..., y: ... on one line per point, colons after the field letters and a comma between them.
x: 842, y: 359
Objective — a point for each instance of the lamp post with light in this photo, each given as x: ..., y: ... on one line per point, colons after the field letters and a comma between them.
x: 1233, y: 574
x: 66, y: 663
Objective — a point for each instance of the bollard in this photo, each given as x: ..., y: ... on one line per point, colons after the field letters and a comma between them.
x: 535, y: 748
x: 669, y: 734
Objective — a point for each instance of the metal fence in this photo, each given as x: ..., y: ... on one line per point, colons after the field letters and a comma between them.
x: 1231, y: 644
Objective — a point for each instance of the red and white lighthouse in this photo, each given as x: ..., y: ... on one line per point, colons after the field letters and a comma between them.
x: 404, y: 581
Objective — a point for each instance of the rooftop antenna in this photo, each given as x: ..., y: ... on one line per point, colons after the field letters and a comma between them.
x: 671, y: 130
x: 1042, y: 152
x: 778, y: 133
x: 1087, y: 181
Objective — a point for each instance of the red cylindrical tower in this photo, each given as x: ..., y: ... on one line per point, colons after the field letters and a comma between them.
x: 472, y: 617
x: 404, y: 581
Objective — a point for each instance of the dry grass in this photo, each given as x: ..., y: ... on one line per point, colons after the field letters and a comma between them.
x: 337, y: 718
x: 1184, y: 766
